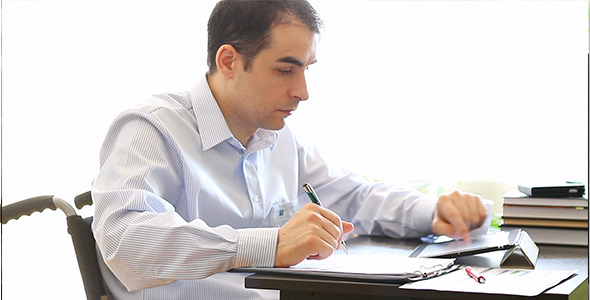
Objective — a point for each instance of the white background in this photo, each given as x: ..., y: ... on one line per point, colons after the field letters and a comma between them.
x: 430, y: 91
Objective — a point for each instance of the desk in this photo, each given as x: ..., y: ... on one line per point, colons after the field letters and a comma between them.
x: 550, y: 258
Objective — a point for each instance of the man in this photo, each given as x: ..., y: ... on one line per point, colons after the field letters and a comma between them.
x: 196, y: 183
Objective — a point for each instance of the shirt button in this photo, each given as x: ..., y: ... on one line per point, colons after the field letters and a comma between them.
x: 257, y: 199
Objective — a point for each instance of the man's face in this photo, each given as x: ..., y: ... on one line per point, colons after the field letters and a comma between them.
x: 270, y: 90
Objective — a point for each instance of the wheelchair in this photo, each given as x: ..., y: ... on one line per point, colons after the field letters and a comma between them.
x: 79, y: 229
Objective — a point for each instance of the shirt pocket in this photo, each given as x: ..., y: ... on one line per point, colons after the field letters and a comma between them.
x: 281, y: 213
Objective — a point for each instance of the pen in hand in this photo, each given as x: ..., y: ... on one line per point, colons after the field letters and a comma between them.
x: 315, y: 199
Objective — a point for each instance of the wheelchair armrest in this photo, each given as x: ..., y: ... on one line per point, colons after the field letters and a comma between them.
x: 36, y: 204
x: 83, y: 200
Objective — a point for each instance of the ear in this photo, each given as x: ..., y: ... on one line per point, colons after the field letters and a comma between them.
x: 227, y: 60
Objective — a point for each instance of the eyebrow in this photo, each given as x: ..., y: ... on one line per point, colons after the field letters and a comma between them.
x: 293, y: 60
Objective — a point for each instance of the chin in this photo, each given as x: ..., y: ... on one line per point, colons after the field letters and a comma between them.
x: 276, y: 126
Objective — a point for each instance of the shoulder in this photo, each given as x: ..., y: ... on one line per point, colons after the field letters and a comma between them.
x: 165, y: 103
x: 162, y: 116
x: 160, y: 109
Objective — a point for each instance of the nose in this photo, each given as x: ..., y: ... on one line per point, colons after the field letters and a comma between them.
x: 299, y: 90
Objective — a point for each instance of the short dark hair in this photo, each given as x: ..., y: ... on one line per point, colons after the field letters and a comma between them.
x: 246, y: 24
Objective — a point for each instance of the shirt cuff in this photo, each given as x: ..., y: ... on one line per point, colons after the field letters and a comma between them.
x: 257, y: 247
x: 424, y: 212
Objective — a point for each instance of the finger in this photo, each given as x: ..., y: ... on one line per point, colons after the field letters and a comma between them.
x: 328, y: 237
x: 440, y: 227
x: 315, y: 256
x: 481, y: 213
x: 332, y: 223
x: 451, y: 216
x: 334, y: 219
x: 306, y: 242
x: 322, y: 228
x: 347, y: 227
x: 470, y: 206
x: 476, y: 213
x: 303, y: 236
x: 322, y: 243
x: 462, y: 202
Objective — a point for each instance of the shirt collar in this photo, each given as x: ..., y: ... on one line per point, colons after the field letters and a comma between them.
x: 263, y: 138
x: 210, y: 121
x: 212, y: 125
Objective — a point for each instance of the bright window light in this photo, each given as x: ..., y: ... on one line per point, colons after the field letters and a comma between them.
x: 410, y: 91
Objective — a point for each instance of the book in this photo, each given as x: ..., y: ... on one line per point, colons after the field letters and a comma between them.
x: 518, y: 198
x: 554, y: 236
x: 546, y: 223
x: 548, y: 219
x: 546, y: 212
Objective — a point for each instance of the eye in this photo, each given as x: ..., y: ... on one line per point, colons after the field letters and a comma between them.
x: 286, y: 71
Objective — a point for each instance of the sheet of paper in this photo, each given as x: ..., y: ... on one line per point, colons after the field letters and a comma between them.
x: 372, y: 264
x: 498, y: 281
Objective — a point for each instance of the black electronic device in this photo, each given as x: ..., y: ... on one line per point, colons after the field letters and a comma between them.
x: 566, y: 189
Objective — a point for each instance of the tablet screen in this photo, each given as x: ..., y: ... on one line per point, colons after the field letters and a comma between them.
x: 485, y: 243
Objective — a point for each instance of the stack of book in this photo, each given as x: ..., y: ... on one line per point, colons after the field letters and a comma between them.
x: 548, y: 220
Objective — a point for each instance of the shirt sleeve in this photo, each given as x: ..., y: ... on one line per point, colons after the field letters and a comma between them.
x: 375, y: 208
x: 143, y: 239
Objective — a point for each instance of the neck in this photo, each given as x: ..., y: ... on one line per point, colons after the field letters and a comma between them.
x: 237, y: 125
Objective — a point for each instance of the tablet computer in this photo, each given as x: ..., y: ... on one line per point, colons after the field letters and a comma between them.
x: 486, y: 243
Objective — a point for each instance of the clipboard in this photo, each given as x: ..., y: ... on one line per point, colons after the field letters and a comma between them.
x: 363, y: 268
x: 520, y: 250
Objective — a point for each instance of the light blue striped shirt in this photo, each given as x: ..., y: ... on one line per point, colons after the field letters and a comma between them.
x: 179, y: 200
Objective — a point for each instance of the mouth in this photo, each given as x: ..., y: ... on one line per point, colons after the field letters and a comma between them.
x: 287, y: 112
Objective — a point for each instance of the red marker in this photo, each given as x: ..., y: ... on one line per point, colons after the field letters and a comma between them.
x: 473, y: 274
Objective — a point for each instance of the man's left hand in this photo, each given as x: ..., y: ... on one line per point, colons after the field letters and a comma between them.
x: 457, y: 214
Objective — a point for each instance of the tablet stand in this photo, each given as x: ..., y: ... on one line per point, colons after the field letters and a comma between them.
x: 524, y: 253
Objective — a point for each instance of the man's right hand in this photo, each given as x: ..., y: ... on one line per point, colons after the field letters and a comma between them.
x: 313, y: 232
